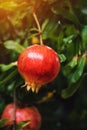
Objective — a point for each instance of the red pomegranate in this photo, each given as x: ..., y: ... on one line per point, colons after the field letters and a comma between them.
x: 23, y: 114
x: 38, y: 64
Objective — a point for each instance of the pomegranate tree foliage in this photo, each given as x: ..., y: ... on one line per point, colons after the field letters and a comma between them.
x: 64, y: 28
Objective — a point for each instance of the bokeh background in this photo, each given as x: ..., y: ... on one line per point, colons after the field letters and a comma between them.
x: 63, y: 102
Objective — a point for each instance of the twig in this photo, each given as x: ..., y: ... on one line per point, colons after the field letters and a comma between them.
x: 39, y: 28
x: 14, y: 113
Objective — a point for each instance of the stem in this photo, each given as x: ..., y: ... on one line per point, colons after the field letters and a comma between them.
x: 39, y: 28
x: 10, y: 76
x: 14, y: 113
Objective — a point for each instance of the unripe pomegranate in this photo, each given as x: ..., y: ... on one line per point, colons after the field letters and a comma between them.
x: 38, y: 64
x: 23, y: 114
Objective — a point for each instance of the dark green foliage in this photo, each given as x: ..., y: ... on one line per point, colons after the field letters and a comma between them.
x: 64, y: 28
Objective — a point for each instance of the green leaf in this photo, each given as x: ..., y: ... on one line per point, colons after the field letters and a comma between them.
x: 50, y: 30
x: 68, y: 39
x: 14, y: 46
x: 84, y: 36
x: 45, y: 24
x: 84, y: 10
x: 74, y: 77
x: 60, y: 45
x: 4, y: 67
x: 72, y: 88
x: 71, y: 30
x: 22, y: 124
x: 34, y: 29
x: 62, y: 58
x: 67, y: 13
x: 70, y: 50
x: 8, y: 77
x: 68, y: 68
x: 3, y: 121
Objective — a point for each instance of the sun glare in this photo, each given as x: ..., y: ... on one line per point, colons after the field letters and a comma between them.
x: 11, y: 5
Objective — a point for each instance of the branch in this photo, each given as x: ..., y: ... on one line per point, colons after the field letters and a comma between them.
x: 39, y: 28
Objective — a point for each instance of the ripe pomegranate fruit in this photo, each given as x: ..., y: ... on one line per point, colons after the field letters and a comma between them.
x: 38, y: 64
x: 23, y: 114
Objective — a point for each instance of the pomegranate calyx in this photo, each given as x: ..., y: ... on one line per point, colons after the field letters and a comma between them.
x: 33, y: 86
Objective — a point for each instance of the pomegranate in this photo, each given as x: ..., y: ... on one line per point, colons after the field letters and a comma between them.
x: 23, y: 114
x: 38, y: 65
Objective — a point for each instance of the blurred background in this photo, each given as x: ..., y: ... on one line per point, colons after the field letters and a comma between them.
x: 63, y: 102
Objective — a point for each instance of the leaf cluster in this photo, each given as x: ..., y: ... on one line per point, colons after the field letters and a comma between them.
x: 64, y: 28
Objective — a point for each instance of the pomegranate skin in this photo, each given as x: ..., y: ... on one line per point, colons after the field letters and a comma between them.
x: 22, y: 114
x: 38, y: 64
